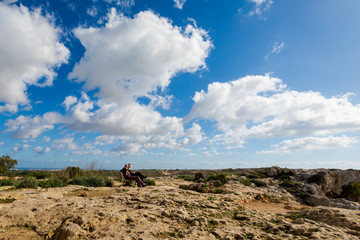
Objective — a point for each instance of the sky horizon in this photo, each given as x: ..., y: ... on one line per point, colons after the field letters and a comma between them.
x: 180, y: 84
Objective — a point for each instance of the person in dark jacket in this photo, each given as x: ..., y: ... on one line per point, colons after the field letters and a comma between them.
x: 142, y: 177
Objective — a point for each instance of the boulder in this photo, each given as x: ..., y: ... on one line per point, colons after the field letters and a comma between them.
x: 316, y: 200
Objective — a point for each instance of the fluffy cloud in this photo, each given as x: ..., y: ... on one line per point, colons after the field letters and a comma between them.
x: 312, y: 143
x: 179, y: 3
x: 19, y: 147
x: 66, y: 143
x: 262, y: 107
x: 125, y: 60
x: 29, y: 51
x: 130, y: 58
x: 69, y: 101
x: 115, y: 119
x: 41, y: 150
x: 26, y: 127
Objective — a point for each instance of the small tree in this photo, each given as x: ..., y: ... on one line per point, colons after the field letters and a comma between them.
x: 6, y: 163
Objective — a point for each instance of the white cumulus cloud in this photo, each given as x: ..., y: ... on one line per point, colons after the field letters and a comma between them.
x: 262, y: 107
x: 312, y: 143
x: 134, y: 57
x: 29, y: 51
x: 32, y: 127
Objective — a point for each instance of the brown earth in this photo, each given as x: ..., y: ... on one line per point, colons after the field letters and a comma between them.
x: 166, y: 211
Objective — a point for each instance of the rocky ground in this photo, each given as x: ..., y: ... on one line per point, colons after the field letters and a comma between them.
x: 170, y: 211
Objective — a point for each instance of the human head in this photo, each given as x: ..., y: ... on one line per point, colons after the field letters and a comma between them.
x: 129, y: 165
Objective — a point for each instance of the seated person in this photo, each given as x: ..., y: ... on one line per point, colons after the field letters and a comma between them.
x: 142, y: 177
x: 133, y: 176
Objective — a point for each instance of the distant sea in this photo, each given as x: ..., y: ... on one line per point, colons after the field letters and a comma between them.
x: 38, y: 168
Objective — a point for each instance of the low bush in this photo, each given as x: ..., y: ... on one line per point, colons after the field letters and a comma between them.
x: 219, y: 177
x: 288, y: 183
x: 78, y: 181
x: 6, y: 200
x: 52, y: 183
x: 95, y: 181
x: 40, y: 175
x: 258, y: 183
x: 8, y: 182
x: 150, y: 182
x: 245, y: 182
x: 73, y: 172
x: 28, y: 182
x: 109, y: 182
x: 88, y: 181
x: 187, y: 177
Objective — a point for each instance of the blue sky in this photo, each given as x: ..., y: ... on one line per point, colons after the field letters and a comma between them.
x: 180, y: 83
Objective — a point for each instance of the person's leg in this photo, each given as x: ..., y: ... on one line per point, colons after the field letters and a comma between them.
x: 140, y: 175
x: 137, y: 180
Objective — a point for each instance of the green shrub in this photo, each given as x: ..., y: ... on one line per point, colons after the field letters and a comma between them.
x: 8, y: 182
x: 73, y: 172
x: 219, y: 177
x: 352, y: 191
x: 95, y: 181
x: 259, y: 183
x: 52, y: 183
x: 6, y: 200
x: 288, y: 183
x: 219, y: 190
x: 40, y: 175
x: 187, y: 177
x: 246, y: 182
x: 150, y: 182
x: 28, y: 182
x: 79, y: 180
x: 109, y: 182
x: 63, y: 178
x: 88, y: 181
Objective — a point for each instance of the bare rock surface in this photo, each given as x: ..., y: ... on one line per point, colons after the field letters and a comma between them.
x: 167, y: 211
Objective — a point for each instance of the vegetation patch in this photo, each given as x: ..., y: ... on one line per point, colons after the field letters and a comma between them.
x: 187, y: 177
x: 40, y: 174
x: 6, y: 200
x: 91, y: 181
x: 301, y: 215
x: 221, y: 177
x: 53, y: 183
x: 150, y: 182
x: 28, y: 182
x: 245, y: 182
x: 74, y: 171
x: 258, y: 183
x: 8, y: 182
